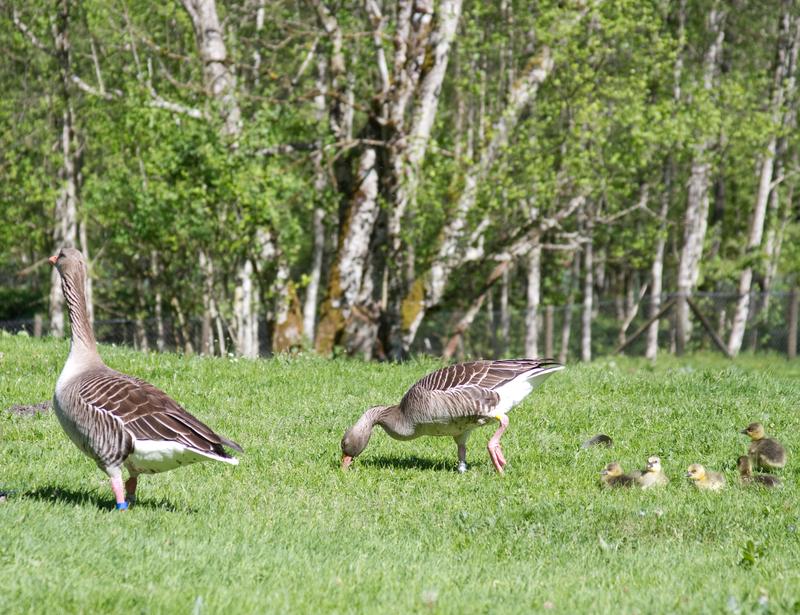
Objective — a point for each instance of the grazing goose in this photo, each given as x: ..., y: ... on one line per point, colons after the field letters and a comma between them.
x: 766, y: 453
x: 115, y: 419
x: 703, y: 479
x: 612, y: 476
x: 653, y: 475
x: 452, y: 402
x: 747, y: 477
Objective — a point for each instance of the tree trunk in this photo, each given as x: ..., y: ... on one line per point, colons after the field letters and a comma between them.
x: 65, y: 232
x: 534, y: 299
x: 155, y: 272
x: 566, y: 323
x: 505, y: 314
x: 588, y: 295
x: 696, y: 217
x: 782, y: 89
x: 657, y: 268
x: 794, y: 309
x: 350, y: 262
x: 548, y: 331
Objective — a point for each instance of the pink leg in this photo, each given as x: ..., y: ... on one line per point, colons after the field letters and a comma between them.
x: 119, y: 492
x: 130, y: 488
x: 495, y: 452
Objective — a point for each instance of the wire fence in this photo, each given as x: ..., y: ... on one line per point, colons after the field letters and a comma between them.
x: 772, y: 327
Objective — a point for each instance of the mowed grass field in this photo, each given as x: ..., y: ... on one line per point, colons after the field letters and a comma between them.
x: 287, y: 532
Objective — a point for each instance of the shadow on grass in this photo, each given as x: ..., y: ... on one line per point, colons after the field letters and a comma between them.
x: 406, y: 462
x: 59, y: 496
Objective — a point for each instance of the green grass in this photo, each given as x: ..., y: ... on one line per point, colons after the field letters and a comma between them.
x: 287, y: 532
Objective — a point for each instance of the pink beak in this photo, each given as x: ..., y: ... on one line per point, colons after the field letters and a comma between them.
x: 346, y: 461
x: 52, y: 260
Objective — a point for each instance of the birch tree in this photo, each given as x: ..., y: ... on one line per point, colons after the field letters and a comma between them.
x: 695, y: 222
x: 783, y: 86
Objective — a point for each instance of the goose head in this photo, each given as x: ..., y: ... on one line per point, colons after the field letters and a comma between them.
x: 69, y: 262
x: 356, y: 438
x: 653, y: 464
x: 696, y: 472
x: 755, y: 431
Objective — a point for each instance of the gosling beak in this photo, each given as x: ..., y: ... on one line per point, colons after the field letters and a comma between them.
x: 744, y: 431
x: 603, y: 472
x: 688, y: 475
x: 52, y: 259
x: 346, y: 461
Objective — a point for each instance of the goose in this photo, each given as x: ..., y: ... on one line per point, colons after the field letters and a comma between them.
x: 653, y: 475
x: 612, y: 476
x: 747, y: 477
x: 453, y: 401
x: 703, y: 479
x: 119, y: 420
x: 766, y: 453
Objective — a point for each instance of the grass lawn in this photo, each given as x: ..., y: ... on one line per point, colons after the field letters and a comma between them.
x: 287, y: 532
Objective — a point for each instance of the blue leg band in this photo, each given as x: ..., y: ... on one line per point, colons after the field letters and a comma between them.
x: 122, y: 506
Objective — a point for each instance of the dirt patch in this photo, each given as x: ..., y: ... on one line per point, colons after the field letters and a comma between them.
x: 30, y: 410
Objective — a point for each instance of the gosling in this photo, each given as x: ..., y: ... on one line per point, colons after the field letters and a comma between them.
x: 612, y: 476
x: 765, y: 453
x: 711, y: 481
x: 747, y: 477
x: 653, y: 475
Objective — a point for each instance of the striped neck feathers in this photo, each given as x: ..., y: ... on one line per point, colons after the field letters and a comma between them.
x: 73, y: 284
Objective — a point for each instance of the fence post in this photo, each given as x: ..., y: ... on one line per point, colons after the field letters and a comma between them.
x: 794, y: 304
x: 37, y: 325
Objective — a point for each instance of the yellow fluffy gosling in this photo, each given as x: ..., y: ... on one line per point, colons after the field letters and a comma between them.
x: 747, y: 477
x: 653, y: 475
x: 713, y: 481
x: 765, y: 453
x: 613, y: 476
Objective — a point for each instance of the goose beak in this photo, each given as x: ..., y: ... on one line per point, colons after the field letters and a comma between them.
x: 346, y: 461
x: 52, y: 259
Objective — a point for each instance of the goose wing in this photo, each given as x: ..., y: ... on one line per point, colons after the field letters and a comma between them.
x: 478, y: 388
x: 486, y: 374
x: 148, y: 413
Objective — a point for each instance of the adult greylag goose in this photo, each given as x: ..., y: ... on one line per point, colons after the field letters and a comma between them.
x: 452, y: 402
x: 119, y: 420
x: 766, y: 453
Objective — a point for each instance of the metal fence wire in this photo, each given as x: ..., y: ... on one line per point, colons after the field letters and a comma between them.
x: 494, y: 334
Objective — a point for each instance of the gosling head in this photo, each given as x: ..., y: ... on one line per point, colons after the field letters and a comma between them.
x: 611, y: 470
x: 356, y: 438
x: 653, y: 464
x: 755, y: 431
x: 695, y: 472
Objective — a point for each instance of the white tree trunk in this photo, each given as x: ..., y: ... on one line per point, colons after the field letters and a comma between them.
x: 696, y: 217
x: 155, y: 271
x: 314, y: 276
x: 657, y: 277
x: 534, y: 299
x: 588, y: 295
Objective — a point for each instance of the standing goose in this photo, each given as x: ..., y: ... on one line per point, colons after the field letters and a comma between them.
x: 115, y: 419
x: 452, y: 402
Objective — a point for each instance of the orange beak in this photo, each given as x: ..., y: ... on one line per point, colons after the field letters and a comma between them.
x: 346, y: 461
x: 53, y: 259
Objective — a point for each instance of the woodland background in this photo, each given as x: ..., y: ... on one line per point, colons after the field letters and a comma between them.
x: 382, y: 178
